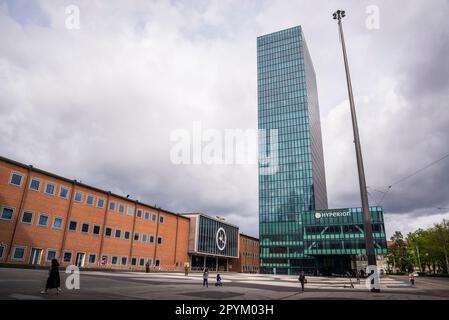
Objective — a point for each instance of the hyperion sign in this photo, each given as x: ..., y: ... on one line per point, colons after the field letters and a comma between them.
x: 332, y: 214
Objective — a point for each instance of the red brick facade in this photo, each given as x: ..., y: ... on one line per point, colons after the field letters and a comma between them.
x: 248, y: 261
x: 98, y: 224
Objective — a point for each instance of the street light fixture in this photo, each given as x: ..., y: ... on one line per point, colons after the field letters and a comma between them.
x: 369, y: 239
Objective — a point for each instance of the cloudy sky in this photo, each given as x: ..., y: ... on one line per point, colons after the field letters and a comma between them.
x: 98, y: 103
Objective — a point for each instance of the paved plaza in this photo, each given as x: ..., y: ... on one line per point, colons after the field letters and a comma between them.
x: 26, y: 284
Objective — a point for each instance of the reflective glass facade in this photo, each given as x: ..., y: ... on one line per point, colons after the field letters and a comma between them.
x: 288, y: 196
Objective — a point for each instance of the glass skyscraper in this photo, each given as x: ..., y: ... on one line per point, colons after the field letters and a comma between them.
x: 288, y: 106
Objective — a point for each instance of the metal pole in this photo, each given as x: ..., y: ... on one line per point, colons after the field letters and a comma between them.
x: 369, y: 240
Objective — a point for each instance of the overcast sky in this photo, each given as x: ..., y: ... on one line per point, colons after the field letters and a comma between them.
x: 99, y: 103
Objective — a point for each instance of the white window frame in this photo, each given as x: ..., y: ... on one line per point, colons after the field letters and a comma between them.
x: 76, y: 228
x: 162, y: 241
x: 147, y: 214
x: 149, y: 239
x: 115, y: 233
x: 124, y: 208
x: 4, y: 250
x: 98, y: 200
x: 54, y: 188
x: 96, y: 234
x: 131, y: 261
x: 155, y: 217
x: 142, y: 259
x: 156, y: 264
x: 112, y: 232
x: 32, y: 217
x: 121, y: 260
x: 10, y: 179
x: 93, y: 200
x: 151, y: 261
x: 40, y: 184
x: 71, y: 256
x: 134, y: 236
x: 163, y: 219
x: 88, y: 258
x: 112, y: 260
x: 109, y: 206
x: 46, y: 254
x: 12, y: 216
x: 39, y: 218
x: 141, y: 213
x: 129, y: 232
x: 88, y: 228
x: 146, y: 237
x: 62, y: 223
x: 128, y: 209
x: 74, y: 196
x: 68, y: 192
x: 14, y: 253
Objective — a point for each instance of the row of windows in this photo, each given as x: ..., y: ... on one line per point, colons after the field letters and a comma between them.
x: 250, y: 242
x: 19, y: 253
x: 16, y: 179
x: 250, y: 254
x: 250, y: 268
x: 44, y: 221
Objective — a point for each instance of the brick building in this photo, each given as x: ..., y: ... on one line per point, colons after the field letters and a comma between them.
x: 248, y: 261
x: 45, y: 216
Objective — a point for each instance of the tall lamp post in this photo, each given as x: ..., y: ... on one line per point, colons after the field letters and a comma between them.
x: 369, y: 240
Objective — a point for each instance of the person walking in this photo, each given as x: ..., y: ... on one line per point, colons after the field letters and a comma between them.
x: 358, y: 277
x: 218, y: 282
x: 412, y: 279
x: 186, y: 270
x: 53, y: 281
x: 302, y: 280
x: 205, y: 278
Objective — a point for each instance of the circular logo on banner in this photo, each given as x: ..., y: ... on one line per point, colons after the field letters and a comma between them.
x: 317, y: 215
x: 220, y: 238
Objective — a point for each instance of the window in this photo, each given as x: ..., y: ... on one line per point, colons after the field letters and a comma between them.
x: 19, y: 253
x: 151, y: 239
x: 147, y: 215
x: 100, y: 203
x: 161, y: 219
x: 16, y: 179
x: 2, y: 251
x: 158, y: 262
x: 121, y: 208
x: 35, y: 184
x: 72, y: 225
x: 27, y: 217
x: 141, y: 262
x: 78, y: 196
x: 108, y: 232
x: 159, y: 240
x: 139, y: 213
x: 67, y: 257
x: 153, y: 217
x: 124, y: 261
x: 130, y: 211
x: 127, y: 235
x: 133, y: 261
x: 118, y: 233
x: 85, y: 228
x: 144, y: 237
x: 57, y: 223
x: 43, y: 220
x: 90, y: 200
x: 112, y: 206
x: 136, y: 236
x: 150, y: 262
x: 96, y: 230
x: 50, y: 188
x: 51, y: 254
x: 64, y: 192
x: 114, y: 260
x: 104, y: 260
x: 7, y: 213
x: 92, y: 258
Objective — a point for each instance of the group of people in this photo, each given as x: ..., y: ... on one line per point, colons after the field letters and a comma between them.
x: 218, y: 282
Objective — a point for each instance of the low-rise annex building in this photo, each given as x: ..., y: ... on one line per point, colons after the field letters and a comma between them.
x: 45, y: 216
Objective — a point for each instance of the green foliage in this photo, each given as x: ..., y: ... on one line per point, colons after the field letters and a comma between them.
x: 424, y: 250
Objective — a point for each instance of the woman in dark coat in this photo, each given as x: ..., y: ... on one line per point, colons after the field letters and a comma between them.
x: 53, y: 281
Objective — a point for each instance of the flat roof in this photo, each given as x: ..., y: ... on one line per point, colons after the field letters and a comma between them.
x: 20, y: 164
x: 209, y: 217
x: 247, y: 236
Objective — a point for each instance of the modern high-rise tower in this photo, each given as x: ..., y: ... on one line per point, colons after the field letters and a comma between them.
x: 296, y: 231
